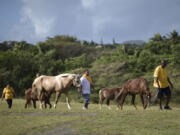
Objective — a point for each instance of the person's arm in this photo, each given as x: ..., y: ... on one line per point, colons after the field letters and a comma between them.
x: 92, y: 86
x: 156, y: 76
x: 3, y: 94
x: 170, y: 82
x: 80, y: 89
x: 157, y: 81
x: 14, y: 94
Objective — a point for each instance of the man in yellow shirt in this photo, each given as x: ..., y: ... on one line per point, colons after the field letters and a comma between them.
x: 8, y: 94
x: 162, y: 82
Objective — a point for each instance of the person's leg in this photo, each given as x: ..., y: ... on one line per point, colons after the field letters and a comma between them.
x: 167, y: 92
x: 9, y: 102
x: 86, y: 100
x: 159, y: 97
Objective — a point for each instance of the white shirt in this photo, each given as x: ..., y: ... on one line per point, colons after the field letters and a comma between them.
x: 85, y: 85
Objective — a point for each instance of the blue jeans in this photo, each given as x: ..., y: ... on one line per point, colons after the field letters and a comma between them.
x: 86, y: 98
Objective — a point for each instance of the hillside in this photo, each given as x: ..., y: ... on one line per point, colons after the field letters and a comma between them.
x: 109, y: 65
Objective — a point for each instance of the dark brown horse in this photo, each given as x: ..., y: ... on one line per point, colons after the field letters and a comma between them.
x: 30, y: 96
x: 108, y: 94
x: 133, y: 87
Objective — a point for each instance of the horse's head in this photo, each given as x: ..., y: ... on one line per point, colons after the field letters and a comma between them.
x: 147, y: 98
x: 76, y: 81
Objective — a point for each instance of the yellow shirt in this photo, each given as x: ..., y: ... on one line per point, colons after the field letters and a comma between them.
x: 8, y: 92
x: 162, y: 75
x: 88, y: 78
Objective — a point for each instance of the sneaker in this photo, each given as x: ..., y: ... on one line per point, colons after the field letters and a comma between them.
x: 84, y: 108
x: 167, y: 108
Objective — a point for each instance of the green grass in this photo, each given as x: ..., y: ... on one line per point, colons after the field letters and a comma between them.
x: 20, y: 121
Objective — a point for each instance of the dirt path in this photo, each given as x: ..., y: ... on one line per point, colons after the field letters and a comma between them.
x: 59, y: 129
x: 51, y: 114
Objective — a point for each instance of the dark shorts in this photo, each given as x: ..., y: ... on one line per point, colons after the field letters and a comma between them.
x: 164, y: 91
x: 9, y: 102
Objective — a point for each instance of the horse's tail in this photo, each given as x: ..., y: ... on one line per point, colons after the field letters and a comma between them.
x: 100, y: 96
x: 118, y: 95
x: 34, y: 88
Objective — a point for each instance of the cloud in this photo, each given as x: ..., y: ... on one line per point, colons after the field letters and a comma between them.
x: 89, y: 3
x: 43, y: 25
x: 42, y: 22
x: 49, y: 18
x: 127, y: 19
x: 96, y: 19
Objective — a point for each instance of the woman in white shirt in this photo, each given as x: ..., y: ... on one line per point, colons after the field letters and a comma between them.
x: 86, y: 84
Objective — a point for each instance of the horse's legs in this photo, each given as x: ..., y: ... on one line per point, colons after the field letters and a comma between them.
x: 34, y: 103
x: 132, y: 100
x: 57, y: 98
x: 47, y: 100
x: 68, y: 102
x: 123, y: 99
x: 118, y: 104
x: 45, y: 103
x: 49, y: 103
x: 40, y: 104
x: 50, y: 106
x: 41, y: 99
x: 146, y: 102
x: 26, y: 104
x: 142, y: 100
x: 108, y: 102
x: 101, y: 99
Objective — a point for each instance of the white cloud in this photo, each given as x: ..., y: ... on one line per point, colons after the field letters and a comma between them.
x: 95, y: 19
x: 89, y: 3
x: 43, y: 24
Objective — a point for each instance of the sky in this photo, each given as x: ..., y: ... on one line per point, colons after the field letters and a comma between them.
x: 97, y: 20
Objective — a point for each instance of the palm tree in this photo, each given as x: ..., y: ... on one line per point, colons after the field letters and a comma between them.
x: 157, y: 37
x: 174, y: 37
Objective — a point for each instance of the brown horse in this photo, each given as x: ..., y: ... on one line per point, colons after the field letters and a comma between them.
x: 133, y: 87
x: 59, y: 84
x: 30, y: 96
x: 108, y: 94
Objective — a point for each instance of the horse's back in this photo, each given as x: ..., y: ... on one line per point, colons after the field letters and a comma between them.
x: 136, y: 85
x: 110, y: 92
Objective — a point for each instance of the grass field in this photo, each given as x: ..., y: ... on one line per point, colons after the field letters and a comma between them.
x: 61, y: 121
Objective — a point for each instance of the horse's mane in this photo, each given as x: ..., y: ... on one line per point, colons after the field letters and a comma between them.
x: 67, y: 74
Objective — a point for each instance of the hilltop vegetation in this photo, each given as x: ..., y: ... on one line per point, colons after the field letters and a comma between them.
x: 110, y: 65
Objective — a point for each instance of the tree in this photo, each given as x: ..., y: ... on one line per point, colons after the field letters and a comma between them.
x: 174, y: 37
x: 157, y: 37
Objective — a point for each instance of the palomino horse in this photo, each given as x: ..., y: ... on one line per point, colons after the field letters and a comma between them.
x: 133, y: 87
x: 59, y: 84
